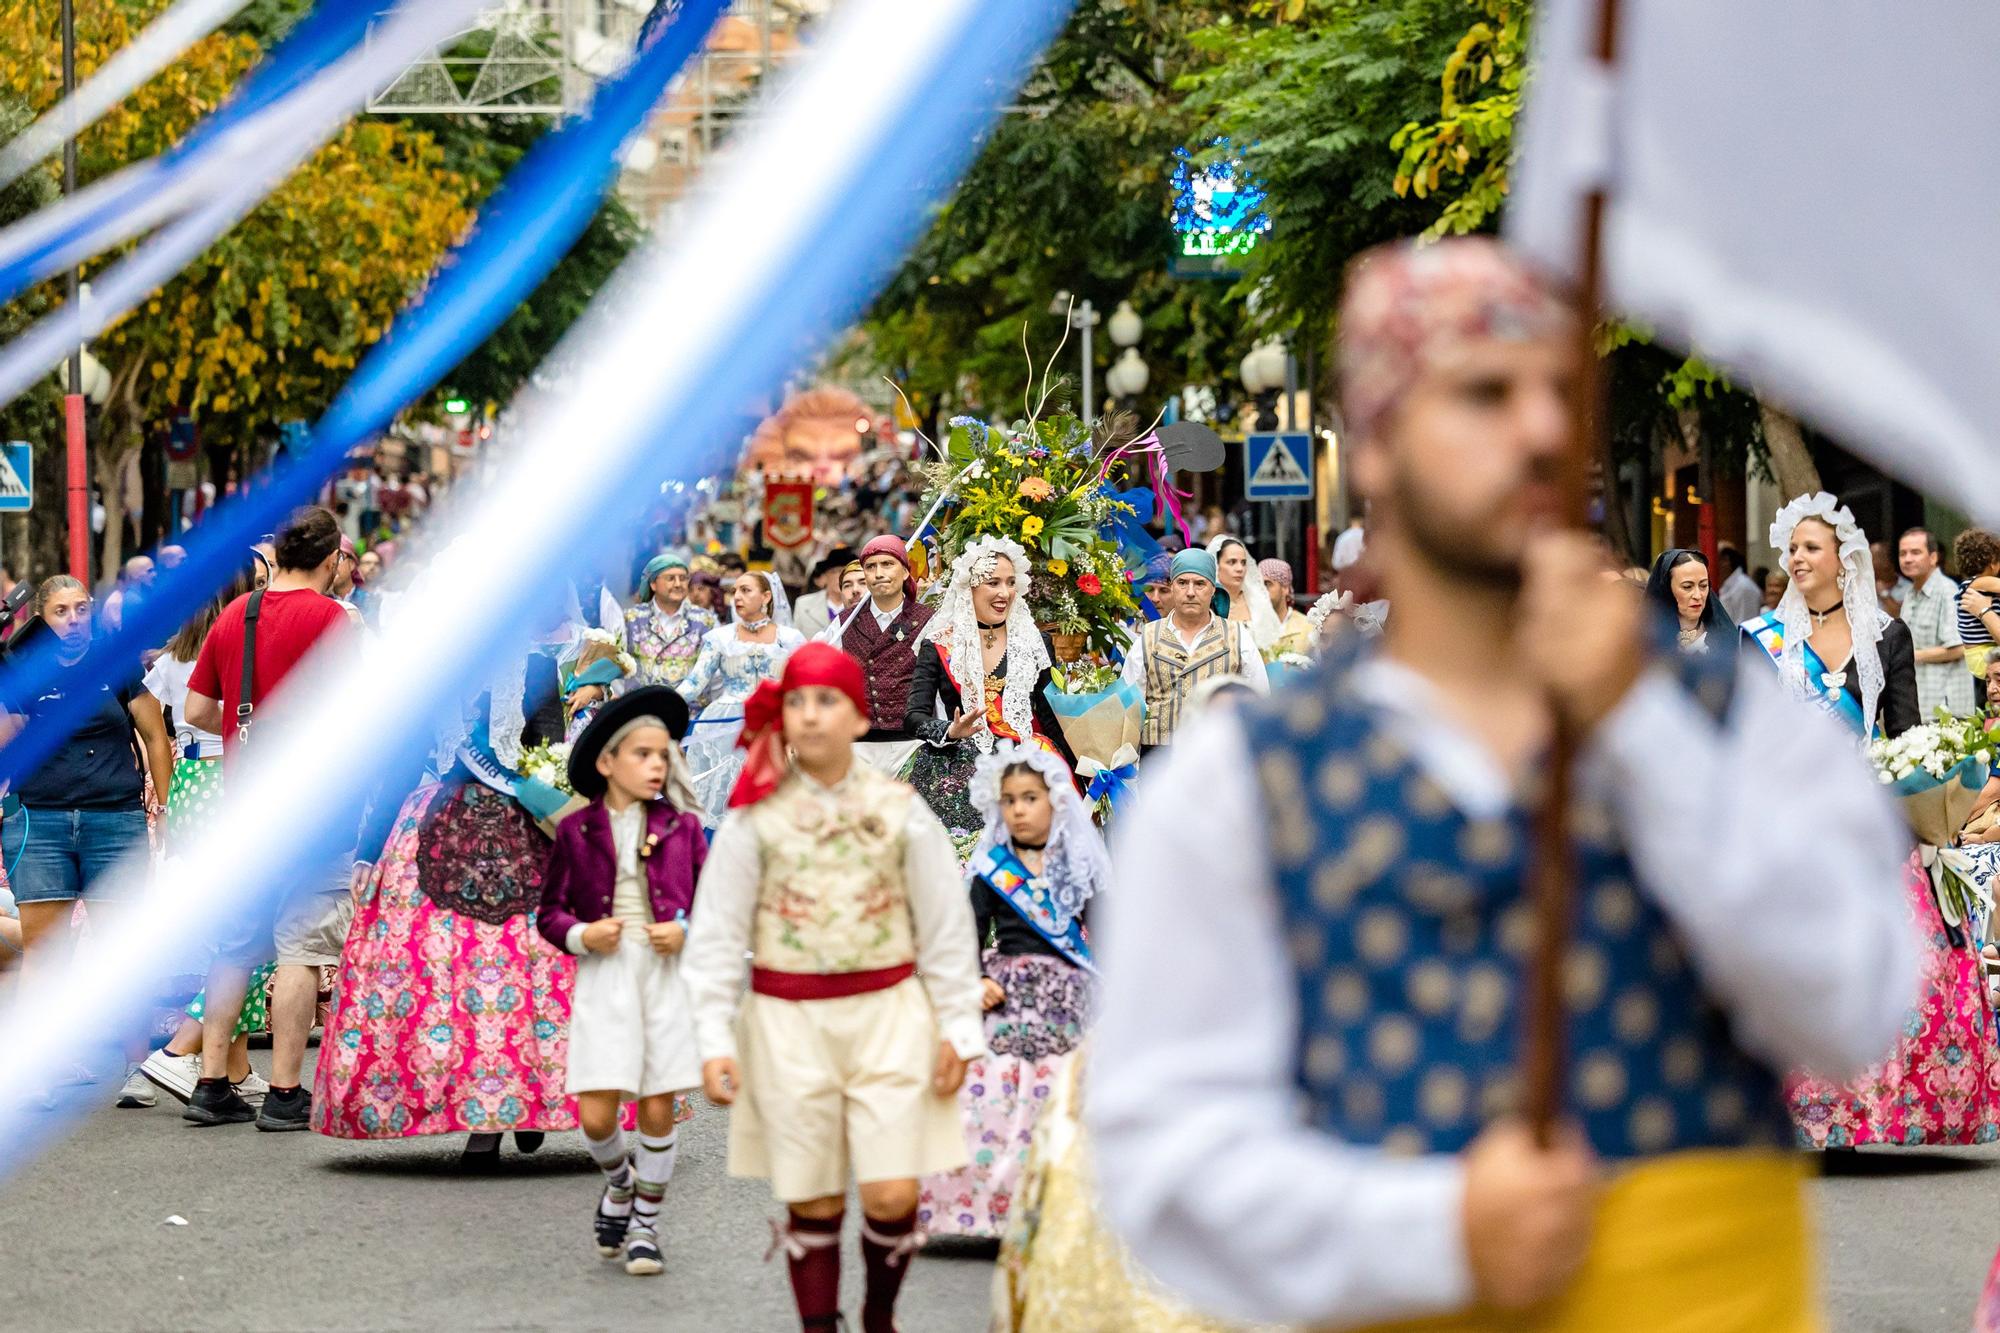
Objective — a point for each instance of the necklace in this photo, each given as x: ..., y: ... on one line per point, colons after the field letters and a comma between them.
x: 1029, y: 846
x: 1821, y: 617
x: 990, y: 634
x: 752, y: 626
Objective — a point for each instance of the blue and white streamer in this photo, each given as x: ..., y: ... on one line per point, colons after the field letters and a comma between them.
x: 285, y: 109
x: 117, y: 78
x: 527, y: 226
x: 772, y: 260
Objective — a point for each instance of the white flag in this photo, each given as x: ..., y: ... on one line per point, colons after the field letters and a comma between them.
x: 1807, y: 194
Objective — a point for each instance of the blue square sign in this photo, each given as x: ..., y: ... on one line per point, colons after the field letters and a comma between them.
x: 1278, y: 466
x: 17, y: 477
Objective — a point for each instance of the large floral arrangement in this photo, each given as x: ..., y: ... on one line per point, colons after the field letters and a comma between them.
x: 1042, y: 483
x: 548, y: 763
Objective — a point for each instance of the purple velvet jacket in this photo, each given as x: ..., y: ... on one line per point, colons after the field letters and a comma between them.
x: 583, y: 868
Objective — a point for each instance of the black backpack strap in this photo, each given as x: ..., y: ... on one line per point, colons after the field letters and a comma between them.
x: 245, y: 701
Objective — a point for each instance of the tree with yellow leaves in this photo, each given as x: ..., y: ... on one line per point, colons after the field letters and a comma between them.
x: 265, y: 325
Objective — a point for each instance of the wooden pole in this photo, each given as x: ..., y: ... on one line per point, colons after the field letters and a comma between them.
x: 1553, y: 868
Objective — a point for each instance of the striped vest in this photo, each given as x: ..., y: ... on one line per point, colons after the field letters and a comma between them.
x: 1173, y: 669
x: 1409, y: 927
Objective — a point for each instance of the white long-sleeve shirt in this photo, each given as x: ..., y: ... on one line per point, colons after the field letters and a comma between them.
x: 1766, y: 842
x: 717, y: 955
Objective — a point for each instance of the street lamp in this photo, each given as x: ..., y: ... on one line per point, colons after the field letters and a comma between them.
x: 1125, y: 326
x: 1128, y: 375
x: 1083, y: 316
x: 1265, y: 371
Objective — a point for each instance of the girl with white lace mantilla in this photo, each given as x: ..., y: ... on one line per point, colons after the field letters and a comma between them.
x: 1037, y: 868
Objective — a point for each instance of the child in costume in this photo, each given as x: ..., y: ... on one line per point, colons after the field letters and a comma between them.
x: 1036, y: 869
x: 841, y: 885
x: 620, y: 881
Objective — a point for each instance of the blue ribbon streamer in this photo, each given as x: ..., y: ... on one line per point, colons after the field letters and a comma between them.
x: 329, y: 31
x: 1112, y: 783
x: 528, y: 225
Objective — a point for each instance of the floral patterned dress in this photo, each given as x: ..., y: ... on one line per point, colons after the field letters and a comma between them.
x: 451, y: 1013
x: 1941, y: 1085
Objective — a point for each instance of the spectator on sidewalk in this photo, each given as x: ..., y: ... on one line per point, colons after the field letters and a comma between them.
x: 1930, y: 609
x: 1741, y: 596
x: 305, y: 931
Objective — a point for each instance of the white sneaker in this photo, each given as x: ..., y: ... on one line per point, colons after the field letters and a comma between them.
x: 137, y: 1092
x: 252, y: 1088
x: 175, y: 1075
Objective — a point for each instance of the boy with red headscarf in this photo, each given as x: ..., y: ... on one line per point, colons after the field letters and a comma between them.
x: 841, y: 885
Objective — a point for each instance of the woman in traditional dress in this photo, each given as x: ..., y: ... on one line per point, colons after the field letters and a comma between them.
x: 1679, y: 585
x: 1037, y: 866
x: 752, y: 647
x: 1249, y: 600
x: 982, y: 631
x: 1836, y: 648
x: 451, y: 1013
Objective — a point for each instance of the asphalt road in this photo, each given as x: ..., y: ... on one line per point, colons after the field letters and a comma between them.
x: 293, y: 1231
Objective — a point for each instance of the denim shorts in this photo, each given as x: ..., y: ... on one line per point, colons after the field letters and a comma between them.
x: 64, y: 853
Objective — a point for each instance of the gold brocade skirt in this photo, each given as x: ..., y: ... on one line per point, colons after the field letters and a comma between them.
x: 1705, y: 1242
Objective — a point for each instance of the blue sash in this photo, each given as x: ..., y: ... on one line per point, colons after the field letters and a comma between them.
x: 1011, y: 880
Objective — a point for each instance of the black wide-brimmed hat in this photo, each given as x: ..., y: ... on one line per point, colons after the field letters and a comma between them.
x: 840, y: 557
x: 647, y: 701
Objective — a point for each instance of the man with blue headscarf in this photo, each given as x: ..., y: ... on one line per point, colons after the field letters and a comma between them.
x: 1193, y: 640
x: 663, y: 632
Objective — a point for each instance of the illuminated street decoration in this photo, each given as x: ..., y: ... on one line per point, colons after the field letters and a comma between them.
x: 1218, y: 207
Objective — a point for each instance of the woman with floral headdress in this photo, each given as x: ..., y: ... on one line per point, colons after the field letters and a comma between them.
x: 751, y: 648
x: 1838, y: 649
x: 982, y: 632
x: 1037, y: 867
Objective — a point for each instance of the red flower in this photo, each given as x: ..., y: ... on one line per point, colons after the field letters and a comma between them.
x: 1090, y: 584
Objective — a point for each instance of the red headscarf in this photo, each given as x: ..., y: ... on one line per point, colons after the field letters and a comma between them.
x: 763, y: 733
x: 889, y: 544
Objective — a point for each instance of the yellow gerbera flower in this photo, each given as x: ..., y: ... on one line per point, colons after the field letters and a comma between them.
x: 1058, y: 567
x: 1031, y: 527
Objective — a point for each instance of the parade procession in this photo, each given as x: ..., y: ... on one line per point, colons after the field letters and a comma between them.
x: 999, y: 666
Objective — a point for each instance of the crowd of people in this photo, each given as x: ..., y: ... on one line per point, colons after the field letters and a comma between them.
x: 835, y: 864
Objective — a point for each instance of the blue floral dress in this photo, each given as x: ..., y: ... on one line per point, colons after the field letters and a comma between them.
x: 723, y: 676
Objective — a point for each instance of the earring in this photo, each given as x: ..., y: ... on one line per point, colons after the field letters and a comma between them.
x: 1840, y: 581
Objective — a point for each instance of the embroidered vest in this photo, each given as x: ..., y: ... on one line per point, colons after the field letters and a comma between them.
x: 832, y: 897
x: 665, y: 656
x: 1173, y: 669
x: 888, y: 659
x: 1409, y: 924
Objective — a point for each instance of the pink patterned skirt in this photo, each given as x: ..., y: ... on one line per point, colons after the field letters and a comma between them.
x: 1941, y: 1085
x: 443, y: 1022
x: 1033, y: 1035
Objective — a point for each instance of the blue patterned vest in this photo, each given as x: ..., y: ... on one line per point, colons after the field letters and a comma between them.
x: 1409, y: 926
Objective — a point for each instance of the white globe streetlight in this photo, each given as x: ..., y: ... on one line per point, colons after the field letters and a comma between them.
x: 1129, y: 375
x: 1125, y: 326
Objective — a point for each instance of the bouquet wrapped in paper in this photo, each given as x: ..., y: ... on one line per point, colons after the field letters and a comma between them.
x: 1939, y: 769
x: 1101, y: 725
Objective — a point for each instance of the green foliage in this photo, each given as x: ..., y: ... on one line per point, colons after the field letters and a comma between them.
x: 1469, y: 145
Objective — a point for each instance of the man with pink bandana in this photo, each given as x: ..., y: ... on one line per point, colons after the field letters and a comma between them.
x: 1305, y: 1091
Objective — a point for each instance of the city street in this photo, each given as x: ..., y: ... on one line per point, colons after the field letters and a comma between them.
x: 300, y: 1232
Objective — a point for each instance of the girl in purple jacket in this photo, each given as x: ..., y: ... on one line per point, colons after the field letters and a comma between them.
x: 620, y: 882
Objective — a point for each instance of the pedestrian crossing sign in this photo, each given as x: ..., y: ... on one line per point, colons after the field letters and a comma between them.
x: 17, y: 477
x: 1275, y: 466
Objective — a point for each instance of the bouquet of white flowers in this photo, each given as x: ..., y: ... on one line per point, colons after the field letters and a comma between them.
x: 1938, y: 768
x: 549, y: 765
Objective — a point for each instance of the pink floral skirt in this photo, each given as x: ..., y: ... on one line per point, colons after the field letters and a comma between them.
x: 441, y: 1023
x: 1987, y: 1318
x: 1033, y: 1036
x: 1941, y: 1085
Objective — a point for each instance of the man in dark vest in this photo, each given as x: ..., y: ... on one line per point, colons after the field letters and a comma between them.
x: 881, y: 634
x: 1305, y: 1086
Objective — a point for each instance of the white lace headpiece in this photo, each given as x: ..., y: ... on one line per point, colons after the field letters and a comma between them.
x: 1265, y: 627
x: 955, y: 628
x: 1328, y: 603
x: 1075, y: 865
x: 1865, y: 618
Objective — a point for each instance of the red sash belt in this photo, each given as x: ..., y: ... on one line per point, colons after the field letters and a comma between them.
x: 826, y: 985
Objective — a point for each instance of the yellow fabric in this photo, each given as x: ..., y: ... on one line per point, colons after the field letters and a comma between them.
x: 1976, y: 655
x: 1702, y: 1242
x: 832, y: 898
